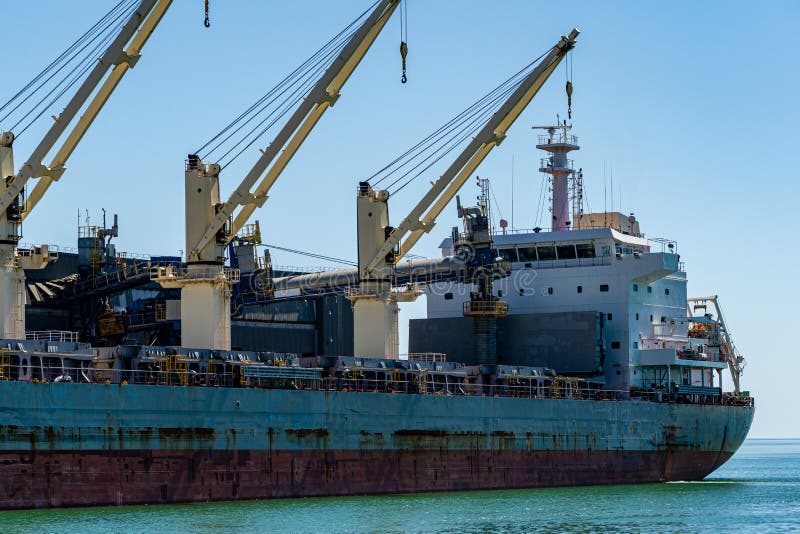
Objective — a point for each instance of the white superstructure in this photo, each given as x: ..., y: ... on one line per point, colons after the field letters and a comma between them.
x: 606, y: 265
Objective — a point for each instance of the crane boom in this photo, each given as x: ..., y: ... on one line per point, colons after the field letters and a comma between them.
x: 125, y: 63
x: 492, y: 134
x: 322, y: 96
x: 115, y: 54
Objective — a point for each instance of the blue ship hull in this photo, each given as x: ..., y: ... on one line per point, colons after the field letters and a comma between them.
x: 69, y: 444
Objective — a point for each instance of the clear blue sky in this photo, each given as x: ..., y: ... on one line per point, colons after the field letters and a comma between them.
x: 693, y: 104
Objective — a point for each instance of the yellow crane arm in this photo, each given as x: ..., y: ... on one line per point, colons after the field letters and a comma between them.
x: 33, y: 167
x: 322, y: 96
x: 494, y: 131
x: 123, y: 64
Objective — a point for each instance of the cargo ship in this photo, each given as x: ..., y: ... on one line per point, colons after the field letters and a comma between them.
x: 154, y: 434
x: 610, y: 375
x: 558, y: 356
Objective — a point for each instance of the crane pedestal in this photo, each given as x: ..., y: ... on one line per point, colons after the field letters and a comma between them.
x: 12, y: 295
x: 205, y: 282
x: 375, y: 322
x: 13, y: 262
x: 376, y: 332
x: 205, y: 302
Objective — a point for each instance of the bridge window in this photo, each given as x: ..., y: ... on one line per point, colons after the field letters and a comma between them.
x: 615, y: 344
x: 580, y: 289
x: 566, y: 252
x: 448, y: 296
x: 609, y: 316
x: 666, y: 291
x: 635, y: 287
x: 604, y: 288
x: 585, y: 250
x: 549, y: 290
x: 649, y: 289
x: 546, y: 253
x: 527, y: 253
x: 508, y: 254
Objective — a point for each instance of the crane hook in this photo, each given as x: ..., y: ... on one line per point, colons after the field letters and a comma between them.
x: 569, y: 99
x: 207, y: 21
x: 403, y: 54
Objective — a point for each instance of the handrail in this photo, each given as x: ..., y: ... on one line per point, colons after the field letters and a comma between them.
x: 425, y: 356
x: 227, y: 274
x: 557, y: 139
x: 497, y: 308
x: 52, y: 335
x: 581, y: 226
x: 179, y: 370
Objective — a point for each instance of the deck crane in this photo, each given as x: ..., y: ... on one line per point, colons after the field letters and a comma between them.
x: 211, y: 225
x: 119, y: 57
x: 381, y: 246
x: 716, y: 331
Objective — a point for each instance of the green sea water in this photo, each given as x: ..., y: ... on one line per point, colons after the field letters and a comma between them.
x: 758, y: 490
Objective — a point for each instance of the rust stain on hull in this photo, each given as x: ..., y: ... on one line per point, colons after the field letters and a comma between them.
x: 64, y: 478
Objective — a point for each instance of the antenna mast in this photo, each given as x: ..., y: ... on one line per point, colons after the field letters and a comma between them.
x: 559, y: 143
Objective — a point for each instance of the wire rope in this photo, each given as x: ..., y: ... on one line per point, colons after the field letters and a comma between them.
x: 73, y: 76
x: 59, y: 59
x: 250, y: 125
x: 415, y: 161
x: 77, y: 59
x: 311, y: 255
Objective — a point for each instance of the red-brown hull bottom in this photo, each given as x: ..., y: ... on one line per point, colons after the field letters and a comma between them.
x: 84, y: 478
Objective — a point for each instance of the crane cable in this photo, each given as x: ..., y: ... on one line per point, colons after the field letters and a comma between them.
x: 404, y: 37
x: 418, y: 159
x: 429, y: 143
x: 207, y: 21
x: 65, y: 55
x: 246, y: 129
x: 77, y: 61
x: 312, y: 255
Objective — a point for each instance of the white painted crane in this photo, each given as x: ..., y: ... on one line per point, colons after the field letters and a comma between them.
x: 211, y: 224
x: 381, y: 246
x: 719, y: 337
x: 121, y: 55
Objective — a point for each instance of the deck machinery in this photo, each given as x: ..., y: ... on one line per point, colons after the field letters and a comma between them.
x: 119, y: 57
x: 210, y: 225
x: 381, y: 246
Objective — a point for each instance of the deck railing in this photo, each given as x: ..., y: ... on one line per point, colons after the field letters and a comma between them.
x: 52, y: 335
x: 425, y: 356
x: 420, y: 382
x: 493, y: 308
